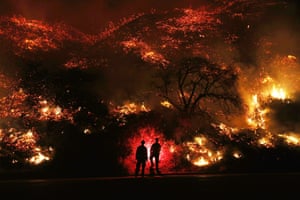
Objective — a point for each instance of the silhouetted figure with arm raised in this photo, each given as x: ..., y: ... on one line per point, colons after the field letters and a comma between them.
x: 141, y: 159
x: 154, y: 154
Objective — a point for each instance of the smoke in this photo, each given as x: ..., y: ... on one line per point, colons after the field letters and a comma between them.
x: 285, y: 115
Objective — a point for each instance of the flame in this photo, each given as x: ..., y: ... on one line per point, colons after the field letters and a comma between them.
x: 131, y: 107
x: 256, y: 114
x: 48, y: 111
x: 256, y: 117
x: 292, y: 57
x: 291, y: 138
x: 226, y: 130
x: 200, y: 154
x: 166, y: 104
x: 25, y: 142
x: 201, y: 162
x: 21, y: 139
x: 278, y: 93
x: 39, y: 157
x: 121, y: 111
x: 267, y: 141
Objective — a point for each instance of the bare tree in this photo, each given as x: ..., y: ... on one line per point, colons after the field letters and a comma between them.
x: 196, y: 86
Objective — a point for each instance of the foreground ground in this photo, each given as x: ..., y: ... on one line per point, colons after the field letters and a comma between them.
x: 234, y: 186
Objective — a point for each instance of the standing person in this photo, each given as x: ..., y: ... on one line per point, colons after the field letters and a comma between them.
x: 141, y: 159
x: 154, y: 154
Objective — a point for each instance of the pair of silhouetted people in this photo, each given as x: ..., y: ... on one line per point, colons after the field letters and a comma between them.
x: 142, y: 157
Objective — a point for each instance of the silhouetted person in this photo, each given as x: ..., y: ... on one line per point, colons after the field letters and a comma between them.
x: 141, y: 158
x: 154, y: 154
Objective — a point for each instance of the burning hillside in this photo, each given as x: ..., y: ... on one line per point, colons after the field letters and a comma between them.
x: 186, y: 76
x: 34, y: 35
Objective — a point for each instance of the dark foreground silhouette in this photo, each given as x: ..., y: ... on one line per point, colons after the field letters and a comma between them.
x: 235, y: 186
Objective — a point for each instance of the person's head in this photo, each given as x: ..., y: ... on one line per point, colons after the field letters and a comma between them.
x: 156, y: 139
x: 143, y: 142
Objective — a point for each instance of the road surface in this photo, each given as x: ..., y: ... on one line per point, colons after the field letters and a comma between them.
x: 172, y: 186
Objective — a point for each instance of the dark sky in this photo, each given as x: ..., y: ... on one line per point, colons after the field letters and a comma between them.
x: 87, y: 15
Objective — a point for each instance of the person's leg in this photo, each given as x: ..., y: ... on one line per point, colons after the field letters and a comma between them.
x: 143, y: 168
x: 137, y: 168
x: 151, y: 160
x: 157, y: 164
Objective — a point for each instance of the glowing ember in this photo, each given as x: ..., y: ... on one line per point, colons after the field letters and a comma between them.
x: 34, y: 35
x: 192, y: 21
x: 146, y: 52
x: 237, y: 154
